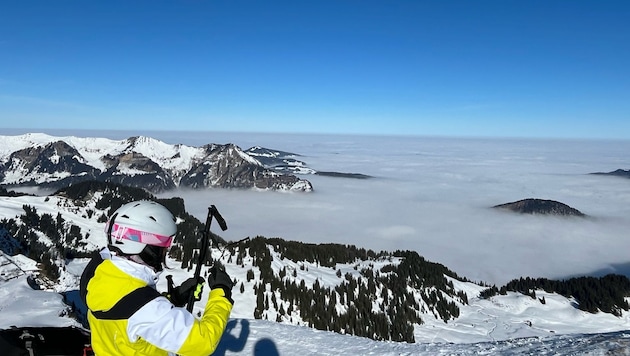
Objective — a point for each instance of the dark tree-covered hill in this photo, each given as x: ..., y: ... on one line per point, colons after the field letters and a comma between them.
x: 540, y: 206
x: 617, y: 173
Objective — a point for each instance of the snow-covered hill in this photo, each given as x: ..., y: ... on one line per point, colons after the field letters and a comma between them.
x: 22, y: 306
x: 49, y: 161
x: 503, y: 323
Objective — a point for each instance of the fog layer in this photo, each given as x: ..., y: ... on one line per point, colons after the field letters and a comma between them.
x: 433, y: 195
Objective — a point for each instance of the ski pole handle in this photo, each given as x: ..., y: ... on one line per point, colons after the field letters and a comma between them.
x: 218, y: 217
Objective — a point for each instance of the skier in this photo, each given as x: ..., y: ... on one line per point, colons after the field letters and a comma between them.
x: 127, y: 316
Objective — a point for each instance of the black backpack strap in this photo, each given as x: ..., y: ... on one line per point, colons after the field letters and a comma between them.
x: 88, y: 273
x: 126, y: 306
x: 129, y: 304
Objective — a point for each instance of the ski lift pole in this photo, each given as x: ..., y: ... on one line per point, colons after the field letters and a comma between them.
x: 205, y: 241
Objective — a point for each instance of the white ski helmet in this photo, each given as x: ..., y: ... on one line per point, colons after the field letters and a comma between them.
x: 135, y: 225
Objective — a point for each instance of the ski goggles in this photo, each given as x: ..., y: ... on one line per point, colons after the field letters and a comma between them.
x: 120, y: 232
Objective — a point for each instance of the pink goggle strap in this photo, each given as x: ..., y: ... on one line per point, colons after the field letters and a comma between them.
x: 126, y: 233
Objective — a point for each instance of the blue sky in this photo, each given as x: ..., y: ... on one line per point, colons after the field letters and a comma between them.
x: 446, y: 68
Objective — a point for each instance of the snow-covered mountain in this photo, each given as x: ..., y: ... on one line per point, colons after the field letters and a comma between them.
x: 47, y: 161
x: 280, y: 160
x: 280, y: 297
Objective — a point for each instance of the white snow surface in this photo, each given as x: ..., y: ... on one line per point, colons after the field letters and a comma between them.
x: 22, y: 306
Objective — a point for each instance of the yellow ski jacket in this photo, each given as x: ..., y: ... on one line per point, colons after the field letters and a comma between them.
x: 128, y: 316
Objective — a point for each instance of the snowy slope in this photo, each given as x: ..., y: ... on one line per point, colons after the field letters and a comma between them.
x: 21, y: 306
x: 12, y: 208
x: 499, y: 324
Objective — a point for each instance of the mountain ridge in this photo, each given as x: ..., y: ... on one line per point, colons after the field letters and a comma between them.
x: 54, y: 162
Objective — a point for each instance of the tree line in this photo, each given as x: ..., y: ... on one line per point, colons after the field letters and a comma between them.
x: 607, y: 294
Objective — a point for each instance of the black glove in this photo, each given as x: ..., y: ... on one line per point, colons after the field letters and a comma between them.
x: 179, y: 295
x: 218, y: 278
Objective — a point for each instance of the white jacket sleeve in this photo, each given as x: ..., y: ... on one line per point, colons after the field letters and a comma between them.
x: 161, y: 324
x: 176, y: 330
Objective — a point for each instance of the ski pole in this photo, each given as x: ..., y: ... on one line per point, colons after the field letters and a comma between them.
x: 205, y: 239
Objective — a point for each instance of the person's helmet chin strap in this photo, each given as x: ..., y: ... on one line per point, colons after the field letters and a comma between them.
x: 110, y: 227
x: 153, y: 256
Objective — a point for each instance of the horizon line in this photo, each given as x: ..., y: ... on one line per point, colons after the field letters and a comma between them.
x: 14, y: 131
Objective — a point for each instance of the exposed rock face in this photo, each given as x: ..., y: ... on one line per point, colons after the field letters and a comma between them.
x: 540, y: 206
x: 54, y: 161
x: 228, y: 166
x: 136, y: 170
x: 140, y: 162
